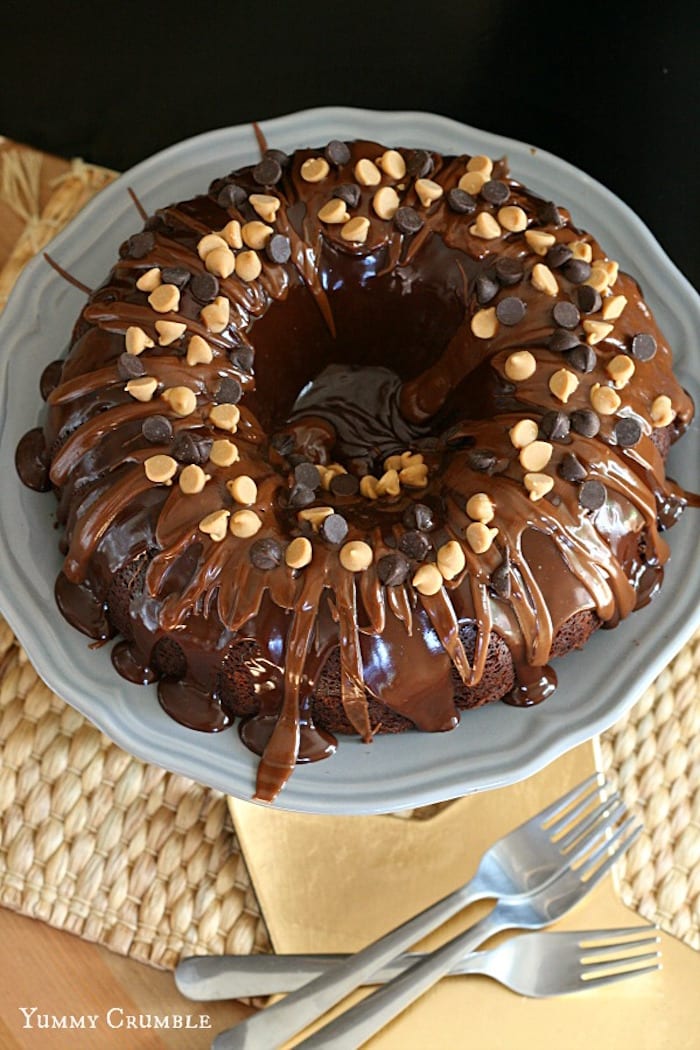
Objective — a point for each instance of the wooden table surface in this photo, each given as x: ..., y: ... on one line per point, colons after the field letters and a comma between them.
x: 62, y: 975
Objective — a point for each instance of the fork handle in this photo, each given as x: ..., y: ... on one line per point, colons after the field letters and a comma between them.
x: 278, y: 1023
x: 354, y: 1027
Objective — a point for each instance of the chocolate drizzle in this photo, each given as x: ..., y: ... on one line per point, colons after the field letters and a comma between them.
x: 359, y: 351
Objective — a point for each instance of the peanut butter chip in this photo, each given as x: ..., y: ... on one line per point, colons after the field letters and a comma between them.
x: 392, y: 164
x: 485, y: 227
x: 198, y: 351
x: 221, y: 262
x: 136, y: 340
x: 356, y: 230
x: 596, y: 331
x: 520, y: 365
x: 150, y: 280
x: 335, y: 211
x: 231, y: 232
x: 160, y: 469
x: 393, y: 463
x: 662, y: 411
x: 428, y: 191
x: 544, y: 280
x: 414, y: 476
x: 215, y: 525
x: 427, y: 580
x: 243, y: 489
x: 482, y: 164
x: 386, y: 202
x: 368, y: 486
x: 299, y: 553
x: 563, y: 383
x: 142, y: 388
x: 388, y: 484
x: 480, y: 536
x: 614, y: 307
x: 620, y: 369
x: 539, y: 242
x: 480, y: 507
x: 216, y: 315
x: 265, y: 205
x: 314, y: 169
x: 192, y: 479
x: 356, y: 556
x: 223, y: 453
x: 604, y: 399
x: 598, y: 278
x: 538, y: 485
x: 536, y: 455
x: 450, y: 559
x: 473, y: 182
x: 367, y: 173
x: 181, y: 399
x: 523, y: 433
x: 248, y: 266
x: 225, y: 416
x: 164, y: 298
x: 512, y: 218
x: 209, y: 242
x: 256, y: 234
x: 484, y: 323
x: 169, y: 331
x: 244, y: 523
x: 581, y: 250
x: 612, y: 269
x: 315, y: 516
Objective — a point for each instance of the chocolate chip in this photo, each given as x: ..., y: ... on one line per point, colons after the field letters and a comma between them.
x: 229, y: 391
x: 643, y: 346
x: 589, y: 299
x: 204, y: 287
x: 577, y: 271
x: 557, y: 256
x: 188, y: 449
x: 176, y: 275
x: 460, y: 201
x: 268, y: 172
x: 242, y: 358
x: 501, y: 578
x: 130, y: 367
x: 414, y: 545
x: 572, y: 469
x: 585, y: 422
x: 231, y: 196
x: 282, y: 443
x: 511, y: 310
x: 334, y: 528
x: 300, y: 495
x: 266, y: 553
x: 592, y: 495
x: 393, y: 570
x: 481, y: 459
x: 562, y: 341
x: 307, y: 474
x: 628, y: 431
x: 157, y: 430
x: 337, y: 153
x: 566, y: 315
x: 407, y: 220
x: 555, y: 426
x: 582, y: 358
x: 495, y: 192
x: 419, y: 163
x: 278, y: 248
x: 139, y: 245
x: 345, y: 485
x: 549, y: 214
x: 282, y: 158
x: 509, y: 271
x: 348, y: 192
x: 419, y: 516
x: 486, y: 290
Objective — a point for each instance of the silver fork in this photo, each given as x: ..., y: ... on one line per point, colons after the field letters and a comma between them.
x: 353, y: 1028
x: 520, y: 863
x: 533, y: 964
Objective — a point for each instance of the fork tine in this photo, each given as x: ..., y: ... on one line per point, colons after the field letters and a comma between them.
x: 612, y: 978
x: 594, y: 877
x: 597, y: 963
x: 619, y: 933
x: 613, y: 804
x: 561, y: 803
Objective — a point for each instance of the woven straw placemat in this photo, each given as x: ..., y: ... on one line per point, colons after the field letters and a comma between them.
x: 146, y: 862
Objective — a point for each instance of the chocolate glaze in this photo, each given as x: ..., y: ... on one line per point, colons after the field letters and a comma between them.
x: 359, y: 352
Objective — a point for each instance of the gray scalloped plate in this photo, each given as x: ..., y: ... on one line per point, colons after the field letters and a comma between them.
x: 492, y: 747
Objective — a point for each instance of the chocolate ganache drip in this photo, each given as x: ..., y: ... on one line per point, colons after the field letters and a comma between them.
x: 359, y: 438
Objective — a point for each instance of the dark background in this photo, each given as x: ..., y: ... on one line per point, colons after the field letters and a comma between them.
x: 613, y: 88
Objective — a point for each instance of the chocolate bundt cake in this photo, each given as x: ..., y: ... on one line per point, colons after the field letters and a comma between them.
x: 357, y: 439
